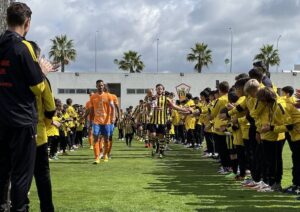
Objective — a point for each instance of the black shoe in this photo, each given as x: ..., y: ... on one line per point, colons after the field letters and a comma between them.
x: 294, y: 190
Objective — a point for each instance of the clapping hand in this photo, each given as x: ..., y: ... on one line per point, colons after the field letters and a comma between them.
x: 230, y: 106
x: 56, y: 123
x: 47, y: 66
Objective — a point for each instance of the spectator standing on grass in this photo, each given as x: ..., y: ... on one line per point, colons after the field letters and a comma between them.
x: 21, y: 81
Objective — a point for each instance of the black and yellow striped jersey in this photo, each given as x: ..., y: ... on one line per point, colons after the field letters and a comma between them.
x: 160, y: 112
x: 144, y: 114
x: 141, y: 113
x: 137, y: 110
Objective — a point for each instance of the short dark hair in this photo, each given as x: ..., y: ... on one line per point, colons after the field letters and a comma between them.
x: 98, y: 81
x: 261, y: 65
x: 256, y: 74
x: 289, y: 90
x: 212, y: 93
x: 241, y: 82
x: 17, y: 13
x: 189, y: 96
x: 207, y: 89
x: 241, y: 76
x: 204, y: 93
x: 232, y: 97
x: 224, y: 87
x: 159, y: 85
x: 69, y: 101
x: 57, y: 102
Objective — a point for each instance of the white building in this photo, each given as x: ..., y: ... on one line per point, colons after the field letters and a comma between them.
x: 130, y: 88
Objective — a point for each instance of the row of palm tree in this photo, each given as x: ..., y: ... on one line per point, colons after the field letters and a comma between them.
x: 63, y: 52
x: 201, y: 55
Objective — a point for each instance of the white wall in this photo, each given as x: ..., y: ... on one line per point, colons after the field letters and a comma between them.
x: 148, y: 80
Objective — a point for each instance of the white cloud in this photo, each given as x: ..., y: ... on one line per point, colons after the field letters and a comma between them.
x: 134, y: 25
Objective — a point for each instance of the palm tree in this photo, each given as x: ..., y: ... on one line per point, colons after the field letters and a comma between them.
x: 201, y: 55
x: 131, y: 61
x: 62, y: 51
x: 268, y: 55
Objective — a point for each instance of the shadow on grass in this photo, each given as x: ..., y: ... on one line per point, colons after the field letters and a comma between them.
x: 186, y: 173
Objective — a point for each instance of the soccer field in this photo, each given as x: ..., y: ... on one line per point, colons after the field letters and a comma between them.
x: 133, y: 181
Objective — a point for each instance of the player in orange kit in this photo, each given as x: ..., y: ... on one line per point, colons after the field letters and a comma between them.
x: 102, y: 113
x: 112, y: 123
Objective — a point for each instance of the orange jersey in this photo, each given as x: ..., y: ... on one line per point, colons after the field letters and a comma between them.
x: 101, y: 103
x: 115, y: 101
x: 88, y: 105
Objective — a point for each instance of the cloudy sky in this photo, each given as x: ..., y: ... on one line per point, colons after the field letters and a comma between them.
x: 136, y: 24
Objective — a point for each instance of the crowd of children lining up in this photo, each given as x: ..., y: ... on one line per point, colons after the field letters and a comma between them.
x: 67, y: 129
x: 245, y: 126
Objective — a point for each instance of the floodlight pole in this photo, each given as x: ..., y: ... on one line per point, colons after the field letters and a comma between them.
x: 96, y: 33
x: 157, y: 41
x: 231, y: 41
x: 277, y: 50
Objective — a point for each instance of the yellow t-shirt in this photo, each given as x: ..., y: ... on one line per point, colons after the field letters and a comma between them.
x: 53, y: 130
x: 199, y: 120
x: 190, y: 120
x: 267, y: 118
x: 72, y: 114
x: 66, y: 124
x: 80, y: 126
x: 44, y: 102
x: 220, y: 103
x: 175, y: 117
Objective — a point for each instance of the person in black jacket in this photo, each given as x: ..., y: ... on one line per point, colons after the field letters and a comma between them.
x: 21, y: 80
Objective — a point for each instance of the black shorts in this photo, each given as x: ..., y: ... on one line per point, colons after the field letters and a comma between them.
x: 157, y: 128
x: 145, y: 126
x: 169, y: 125
x: 230, y: 146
